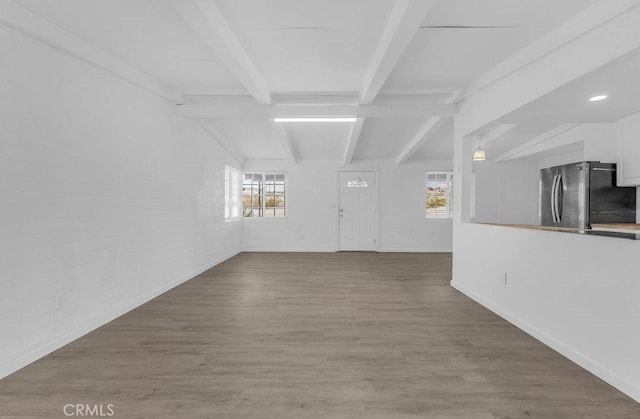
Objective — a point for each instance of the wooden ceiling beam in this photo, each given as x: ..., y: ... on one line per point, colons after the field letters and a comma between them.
x: 496, y: 133
x: 223, y: 141
x: 540, y: 143
x: 255, y: 110
x: 432, y: 125
x: 35, y: 27
x: 286, y: 142
x: 206, y: 19
x: 352, y: 142
x: 426, y: 132
x: 404, y: 21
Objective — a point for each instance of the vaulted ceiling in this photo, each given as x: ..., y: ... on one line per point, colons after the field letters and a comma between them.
x: 400, y: 66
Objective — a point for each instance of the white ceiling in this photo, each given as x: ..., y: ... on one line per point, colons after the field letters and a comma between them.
x: 449, y: 58
x: 321, y: 53
x: 570, y: 105
x: 318, y: 140
x: 254, y: 138
x: 309, y: 45
x: 149, y: 35
x: 440, y: 145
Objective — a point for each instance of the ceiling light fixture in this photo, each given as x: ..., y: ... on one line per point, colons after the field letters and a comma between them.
x: 598, y: 98
x: 316, y: 119
x: 479, y: 154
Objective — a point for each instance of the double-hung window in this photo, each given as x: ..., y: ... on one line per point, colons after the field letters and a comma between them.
x: 263, y: 195
x: 232, y: 203
x: 439, y: 195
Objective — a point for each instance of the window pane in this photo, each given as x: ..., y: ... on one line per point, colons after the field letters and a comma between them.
x: 263, y: 195
x: 438, y: 195
x: 251, y: 188
x: 357, y: 182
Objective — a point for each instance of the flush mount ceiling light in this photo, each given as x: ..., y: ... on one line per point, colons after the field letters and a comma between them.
x: 316, y: 119
x: 479, y: 154
x: 597, y: 98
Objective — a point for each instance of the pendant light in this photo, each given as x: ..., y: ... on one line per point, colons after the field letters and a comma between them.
x: 479, y: 154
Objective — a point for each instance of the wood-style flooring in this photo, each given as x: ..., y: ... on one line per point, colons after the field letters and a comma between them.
x: 282, y: 335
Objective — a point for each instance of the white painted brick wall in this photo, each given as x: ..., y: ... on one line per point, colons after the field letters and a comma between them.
x: 312, y: 208
x: 106, y: 199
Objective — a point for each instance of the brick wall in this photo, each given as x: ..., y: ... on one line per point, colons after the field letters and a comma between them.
x: 106, y: 199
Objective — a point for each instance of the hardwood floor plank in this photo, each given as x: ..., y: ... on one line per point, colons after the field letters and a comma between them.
x: 314, y: 335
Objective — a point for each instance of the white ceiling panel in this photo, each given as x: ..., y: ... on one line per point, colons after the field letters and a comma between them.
x: 558, y: 151
x: 618, y: 79
x: 385, y: 138
x: 309, y: 45
x: 319, y: 140
x: 148, y: 34
x: 254, y: 138
x: 445, y: 55
x: 439, y: 145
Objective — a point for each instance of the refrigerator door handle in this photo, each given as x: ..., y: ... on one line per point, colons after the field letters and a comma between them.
x: 553, y: 198
x: 556, y: 199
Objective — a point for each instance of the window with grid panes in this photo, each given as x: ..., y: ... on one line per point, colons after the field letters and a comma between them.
x: 263, y: 195
x: 439, y: 195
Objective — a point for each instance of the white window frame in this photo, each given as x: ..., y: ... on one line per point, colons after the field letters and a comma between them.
x: 232, y: 193
x: 263, y: 208
x: 450, y: 185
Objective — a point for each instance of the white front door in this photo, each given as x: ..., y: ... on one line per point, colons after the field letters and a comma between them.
x: 357, y: 211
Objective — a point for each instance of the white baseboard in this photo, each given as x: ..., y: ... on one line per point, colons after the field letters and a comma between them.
x: 32, y: 356
x: 588, y: 364
x: 290, y: 250
x: 414, y: 250
x: 333, y: 250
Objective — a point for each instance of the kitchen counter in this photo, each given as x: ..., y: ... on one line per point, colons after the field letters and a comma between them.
x: 624, y: 231
x: 617, y: 226
x: 534, y: 226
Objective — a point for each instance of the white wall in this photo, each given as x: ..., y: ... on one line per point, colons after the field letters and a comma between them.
x: 107, y: 199
x: 312, y: 208
x: 578, y: 294
x: 520, y: 188
x: 507, y: 192
x: 560, y: 159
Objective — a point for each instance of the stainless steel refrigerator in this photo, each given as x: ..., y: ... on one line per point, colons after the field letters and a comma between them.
x: 579, y: 194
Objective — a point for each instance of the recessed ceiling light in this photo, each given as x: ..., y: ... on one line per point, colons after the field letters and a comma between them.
x: 318, y: 119
x: 597, y: 98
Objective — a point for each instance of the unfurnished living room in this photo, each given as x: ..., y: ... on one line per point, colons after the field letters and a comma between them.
x: 319, y: 209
